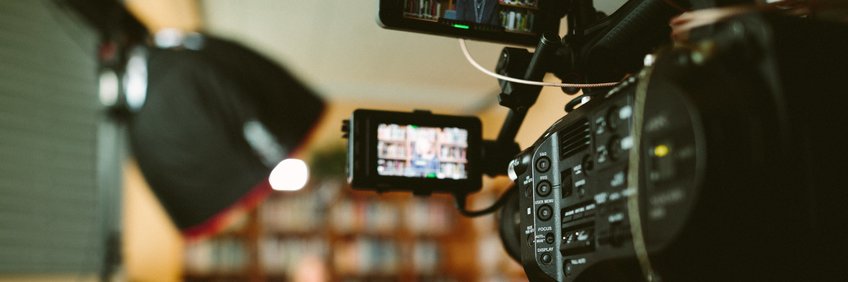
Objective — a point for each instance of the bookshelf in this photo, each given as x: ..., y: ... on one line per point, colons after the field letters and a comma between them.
x: 518, y: 15
x: 397, y: 237
x: 228, y: 256
x: 399, y: 156
x: 428, y: 10
x: 492, y: 261
x: 355, y: 236
x: 330, y: 230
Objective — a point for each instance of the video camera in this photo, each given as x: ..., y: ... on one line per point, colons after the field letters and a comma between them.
x: 712, y: 160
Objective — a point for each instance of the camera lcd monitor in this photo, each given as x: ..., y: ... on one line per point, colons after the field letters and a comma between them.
x: 520, y: 22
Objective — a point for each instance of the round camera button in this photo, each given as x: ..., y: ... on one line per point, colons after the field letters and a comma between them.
x: 545, y: 212
x: 543, y: 164
x: 544, y: 188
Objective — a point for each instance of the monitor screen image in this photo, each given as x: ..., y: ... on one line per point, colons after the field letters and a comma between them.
x: 422, y: 152
x: 506, y: 15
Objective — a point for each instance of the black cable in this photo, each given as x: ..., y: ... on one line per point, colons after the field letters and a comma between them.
x: 460, y: 205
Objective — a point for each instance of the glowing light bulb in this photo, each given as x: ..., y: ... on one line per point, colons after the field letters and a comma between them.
x: 289, y: 175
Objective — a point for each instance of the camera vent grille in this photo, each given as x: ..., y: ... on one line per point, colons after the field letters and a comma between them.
x: 574, y: 139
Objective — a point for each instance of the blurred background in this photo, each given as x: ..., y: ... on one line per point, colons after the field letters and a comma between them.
x: 80, y: 173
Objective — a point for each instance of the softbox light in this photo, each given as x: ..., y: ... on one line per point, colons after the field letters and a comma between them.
x: 216, y: 119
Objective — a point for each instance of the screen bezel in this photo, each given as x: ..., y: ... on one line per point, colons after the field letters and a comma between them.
x: 372, y: 180
x: 390, y: 16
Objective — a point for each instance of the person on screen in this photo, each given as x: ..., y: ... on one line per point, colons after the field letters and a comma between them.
x: 424, y: 162
x: 478, y: 11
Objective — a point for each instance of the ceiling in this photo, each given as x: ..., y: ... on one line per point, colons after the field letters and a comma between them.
x: 336, y: 47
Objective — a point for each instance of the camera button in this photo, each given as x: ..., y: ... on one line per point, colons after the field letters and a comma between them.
x: 545, y: 212
x: 543, y: 164
x: 546, y: 258
x: 544, y: 188
x: 600, y: 125
x: 549, y: 238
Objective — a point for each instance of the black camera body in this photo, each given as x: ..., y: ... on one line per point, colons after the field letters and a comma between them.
x: 738, y: 177
x: 721, y: 160
x: 574, y: 190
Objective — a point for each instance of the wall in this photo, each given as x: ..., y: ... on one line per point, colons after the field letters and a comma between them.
x: 158, y: 14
